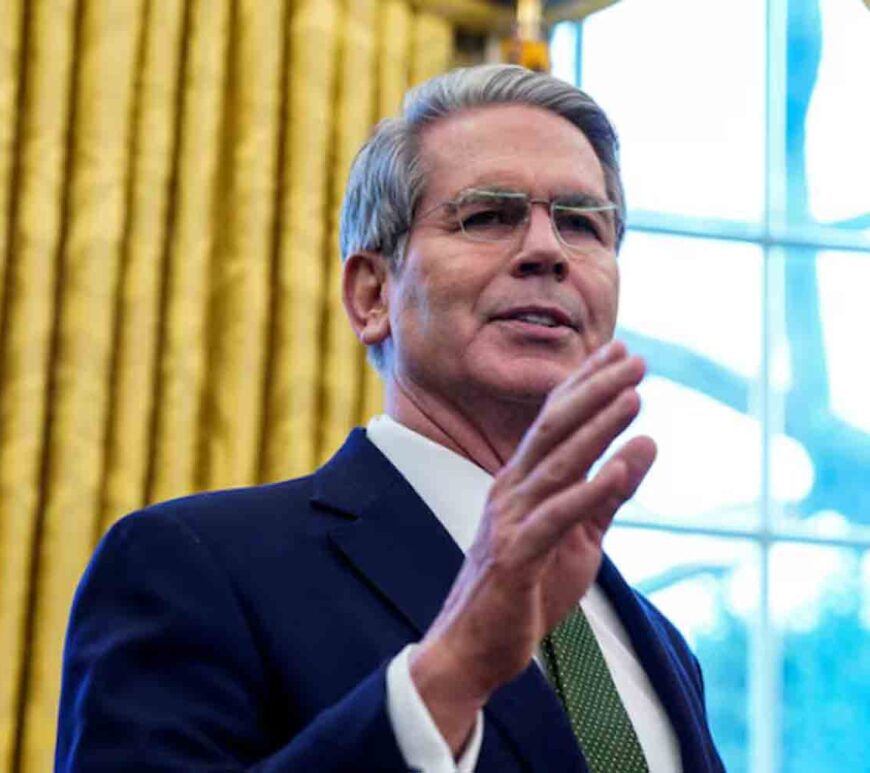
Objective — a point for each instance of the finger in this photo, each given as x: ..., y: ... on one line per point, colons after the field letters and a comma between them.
x: 639, y: 453
x: 593, y: 502
x: 606, y: 354
x: 573, y: 458
x: 560, y: 417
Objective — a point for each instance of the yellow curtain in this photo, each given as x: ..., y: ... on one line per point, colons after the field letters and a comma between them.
x: 170, y: 176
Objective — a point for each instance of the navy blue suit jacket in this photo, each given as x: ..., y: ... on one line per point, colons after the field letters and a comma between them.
x: 250, y: 630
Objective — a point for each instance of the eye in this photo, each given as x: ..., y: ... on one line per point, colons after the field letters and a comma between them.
x: 576, y: 226
x: 490, y: 219
x: 485, y: 217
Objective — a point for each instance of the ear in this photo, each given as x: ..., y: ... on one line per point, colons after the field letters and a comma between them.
x: 364, y: 292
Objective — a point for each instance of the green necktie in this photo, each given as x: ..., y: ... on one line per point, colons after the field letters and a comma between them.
x: 582, y: 681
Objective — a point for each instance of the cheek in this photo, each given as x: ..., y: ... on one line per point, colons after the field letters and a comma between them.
x: 419, y: 305
x: 610, y: 294
x: 601, y: 289
x: 439, y: 299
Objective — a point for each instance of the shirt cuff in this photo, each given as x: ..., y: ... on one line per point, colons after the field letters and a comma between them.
x: 416, y: 733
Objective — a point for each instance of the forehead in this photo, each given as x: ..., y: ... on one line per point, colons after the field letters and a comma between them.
x: 517, y: 146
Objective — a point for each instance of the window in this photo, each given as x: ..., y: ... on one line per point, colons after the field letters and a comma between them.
x: 745, y: 132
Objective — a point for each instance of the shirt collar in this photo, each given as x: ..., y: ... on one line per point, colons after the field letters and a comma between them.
x: 453, y: 488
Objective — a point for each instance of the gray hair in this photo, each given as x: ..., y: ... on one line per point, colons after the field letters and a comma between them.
x: 387, y: 178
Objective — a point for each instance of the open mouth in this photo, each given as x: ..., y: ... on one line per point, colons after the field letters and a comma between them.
x: 549, y: 318
x: 538, y: 319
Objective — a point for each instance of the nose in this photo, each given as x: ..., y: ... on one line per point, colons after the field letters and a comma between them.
x: 540, y: 252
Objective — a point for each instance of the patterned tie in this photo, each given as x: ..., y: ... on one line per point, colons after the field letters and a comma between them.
x: 582, y: 681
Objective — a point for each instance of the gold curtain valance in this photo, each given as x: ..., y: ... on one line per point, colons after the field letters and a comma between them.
x: 483, y: 16
x: 578, y: 9
x: 476, y: 15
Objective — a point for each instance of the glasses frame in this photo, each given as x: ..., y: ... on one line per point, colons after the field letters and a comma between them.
x: 552, y: 205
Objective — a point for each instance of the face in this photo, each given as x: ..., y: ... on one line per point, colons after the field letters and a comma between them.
x: 506, y: 320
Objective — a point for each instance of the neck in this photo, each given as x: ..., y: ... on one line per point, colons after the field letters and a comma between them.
x: 485, y: 431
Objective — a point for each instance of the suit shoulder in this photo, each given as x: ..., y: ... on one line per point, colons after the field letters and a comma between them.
x: 238, y: 516
x: 246, y: 536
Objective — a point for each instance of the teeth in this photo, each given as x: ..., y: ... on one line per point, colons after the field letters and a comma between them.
x: 538, y: 319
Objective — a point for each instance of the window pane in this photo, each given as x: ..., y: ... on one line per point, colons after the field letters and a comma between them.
x: 683, y: 80
x: 563, y: 51
x: 820, y: 398
x: 820, y: 599
x: 692, y: 308
x: 828, y: 68
x: 708, y: 588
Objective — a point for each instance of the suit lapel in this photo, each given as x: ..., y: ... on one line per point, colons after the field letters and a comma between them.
x: 398, y: 546
x: 393, y: 540
x: 411, y: 562
x: 667, y: 673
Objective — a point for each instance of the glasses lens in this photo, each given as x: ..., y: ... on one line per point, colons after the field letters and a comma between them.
x: 577, y: 226
x: 491, y: 217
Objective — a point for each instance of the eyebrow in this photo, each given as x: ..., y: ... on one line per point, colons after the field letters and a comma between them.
x: 568, y: 198
x: 579, y: 199
x: 470, y: 193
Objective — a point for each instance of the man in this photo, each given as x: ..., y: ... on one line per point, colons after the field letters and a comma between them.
x: 331, y: 622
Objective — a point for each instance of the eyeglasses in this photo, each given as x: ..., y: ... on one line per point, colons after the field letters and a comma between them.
x: 499, y: 216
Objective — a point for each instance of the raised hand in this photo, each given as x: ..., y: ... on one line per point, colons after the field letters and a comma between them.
x: 538, y: 548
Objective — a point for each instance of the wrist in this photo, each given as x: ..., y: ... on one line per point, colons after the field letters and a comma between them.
x: 449, y: 690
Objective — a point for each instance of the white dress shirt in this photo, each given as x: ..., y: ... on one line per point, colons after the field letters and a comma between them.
x: 426, y: 466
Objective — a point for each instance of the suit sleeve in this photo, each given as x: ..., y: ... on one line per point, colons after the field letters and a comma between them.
x: 161, y: 671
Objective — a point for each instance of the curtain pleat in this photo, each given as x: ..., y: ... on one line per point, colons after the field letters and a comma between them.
x: 79, y: 389
x: 152, y: 151
x: 432, y: 46
x: 171, y: 173
x: 292, y: 419
x: 394, y: 55
x: 15, y: 537
x: 11, y: 14
x: 240, y: 270
x: 181, y: 376
x: 28, y: 315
